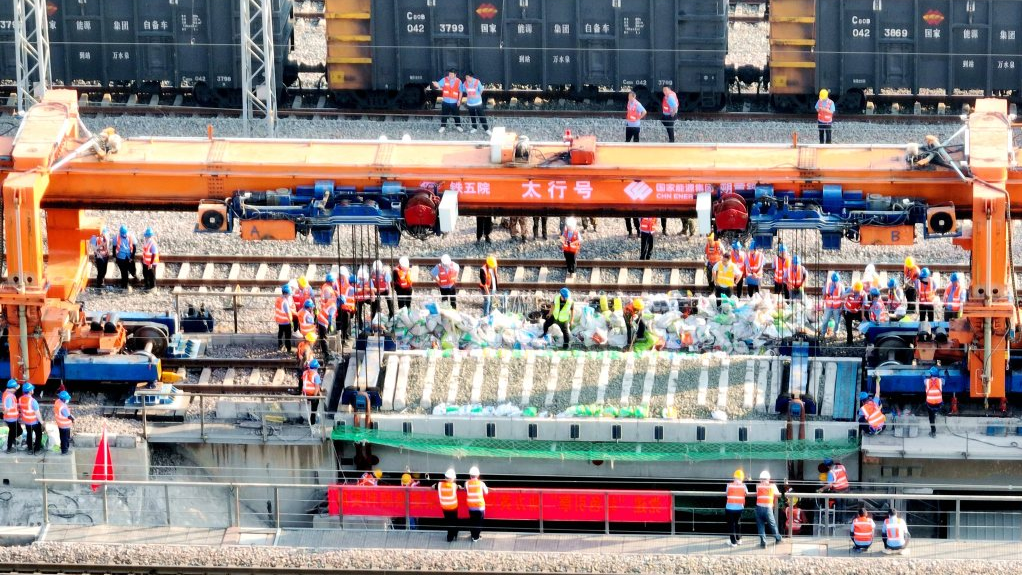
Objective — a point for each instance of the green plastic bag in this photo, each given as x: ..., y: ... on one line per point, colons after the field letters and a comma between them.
x: 530, y: 411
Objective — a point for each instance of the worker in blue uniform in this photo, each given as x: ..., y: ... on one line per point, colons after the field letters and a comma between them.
x: 670, y: 115
x: 472, y: 88
x: 125, y: 247
x: 634, y: 113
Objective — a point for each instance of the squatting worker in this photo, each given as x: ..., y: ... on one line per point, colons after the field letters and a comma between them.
x: 473, y: 90
x: 862, y: 531
x: 447, y: 489
x: 825, y: 116
x: 736, y: 495
x: 561, y: 313
x: 475, y: 491
x: 11, y: 414
x: 895, y: 532
x: 634, y: 113
x: 670, y: 114
x: 450, y: 88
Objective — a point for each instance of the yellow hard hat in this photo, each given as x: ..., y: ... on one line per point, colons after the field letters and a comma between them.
x: 109, y: 131
x: 824, y: 94
x: 406, y: 479
x: 857, y: 286
x: 739, y: 475
x: 823, y: 478
x: 710, y: 236
x: 794, y: 501
x: 637, y: 304
x: 377, y: 473
x: 491, y: 260
x: 310, y: 337
x: 909, y: 262
x: 303, y: 282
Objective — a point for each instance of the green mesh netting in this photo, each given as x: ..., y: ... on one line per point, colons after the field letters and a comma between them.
x: 590, y: 450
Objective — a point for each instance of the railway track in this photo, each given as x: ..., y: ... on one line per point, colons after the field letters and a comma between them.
x: 86, y: 569
x: 245, y: 376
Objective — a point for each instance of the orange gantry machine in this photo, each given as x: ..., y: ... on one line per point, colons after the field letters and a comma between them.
x: 53, y: 163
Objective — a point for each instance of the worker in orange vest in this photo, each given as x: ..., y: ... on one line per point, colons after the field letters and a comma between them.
x: 670, y: 114
x: 878, y: 308
x: 926, y: 293
x: 871, y: 416
x: 31, y: 419
x: 381, y: 285
x: 150, y: 258
x: 326, y: 317
x: 753, y: 268
x: 833, y: 302
x: 447, y: 489
x: 365, y: 294
x: 370, y: 478
x: 854, y: 299
x: 894, y: 533
x: 446, y: 274
x: 646, y: 229
x: 403, y: 283
x: 311, y: 388
x: 450, y: 88
x: 837, y: 477
x: 954, y: 298
x: 488, y: 282
x: 737, y: 492
x: 12, y: 414
x: 794, y: 517
x: 713, y: 253
x: 306, y: 352
x: 862, y: 531
x: 910, y: 271
x: 781, y: 264
x: 934, y: 386
x: 795, y: 279
x: 475, y: 491
x: 825, y: 116
x: 101, y: 246
x: 571, y: 240
x: 303, y: 293
x: 64, y: 420
x: 634, y: 113
x: 766, y: 499
x: 307, y: 318
x: 897, y: 305
x: 283, y: 316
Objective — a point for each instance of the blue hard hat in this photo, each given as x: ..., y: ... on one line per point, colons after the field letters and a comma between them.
x: 891, y: 283
x: 933, y: 371
x: 835, y: 277
x: 863, y: 396
x: 124, y: 230
x: 309, y: 304
x: 330, y: 278
x: 12, y: 384
x: 828, y: 461
x: 565, y: 293
x: 736, y: 245
x: 781, y: 248
x: 285, y: 289
x: 104, y: 231
x: 351, y: 278
x: 874, y: 292
x: 148, y: 232
x: 795, y: 260
x: 314, y: 364
x: 64, y: 396
x: 924, y: 273
x: 954, y: 277
x: 28, y: 388
x: 752, y: 244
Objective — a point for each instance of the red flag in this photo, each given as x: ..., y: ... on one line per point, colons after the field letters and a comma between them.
x: 103, y: 469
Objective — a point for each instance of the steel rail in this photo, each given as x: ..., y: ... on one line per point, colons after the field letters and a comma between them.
x: 100, y: 569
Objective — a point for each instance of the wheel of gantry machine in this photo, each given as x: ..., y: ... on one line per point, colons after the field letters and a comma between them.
x: 420, y: 215
x: 892, y: 350
x: 152, y: 333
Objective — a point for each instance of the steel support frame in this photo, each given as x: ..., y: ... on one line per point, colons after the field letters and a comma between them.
x: 31, y: 52
x: 258, y: 76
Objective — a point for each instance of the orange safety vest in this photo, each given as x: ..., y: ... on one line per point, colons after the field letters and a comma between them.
x: 714, y: 252
x: 309, y: 384
x: 895, y: 537
x: 765, y: 495
x: 794, y: 518
x: 102, y: 246
x: 633, y: 111
x: 304, y: 353
x: 832, y: 297
x: 367, y: 480
x: 647, y: 225
x: 824, y: 114
x: 796, y: 276
x: 874, y: 417
x: 840, y: 478
x: 667, y: 101
x: 446, y: 277
x: 780, y: 267
x: 301, y: 295
x: 452, y: 89
x: 488, y: 278
x: 738, y: 258
x: 754, y: 264
x: 326, y: 313
x: 28, y: 413
x: 934, y: 390
x: 404, y: 278
x: 349, y: 300
x: 570, y: 241
x: 307, y: 322
x: 476, y: 499
x: 853, y: 301
x: 925, y: 291
x: 862, y: 530
x: 117, y: 243
x: 364, y: 290
x: 448, y: 495
x: 953, y: 297
x: 878, y: 312
x: 63, y: 421
x: 150, y: 253
x: 736, y: 494
x: 380, y: 283
x: 282, y: 310
x: 10, y: 406
x: 911, y: 273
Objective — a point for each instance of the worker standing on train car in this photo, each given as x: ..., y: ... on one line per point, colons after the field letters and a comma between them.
x: 326, y: 318
x: 954, y: 298
x: 446, y: 274
x: 447, y: 490
x: 753, y: 268
x: 713, y: 252
x: 634, y: 113
x: 737, y: 492
x: 862, y: 531
x: 910, y: 271
x: 28, y: 407
x: 403, y: 283
x: 781, y: 264
x: 571, y: 241
x: 833, y: 302
x: 12, y: 414
x: 897, y: 305
x: 100, y: 245
x: 926, y: 292
x: 381, y: 285
x: 646, y: 228
x: 934, y: 386
x: 64, y: 420
x: 738, y: 258
x: 766, y: 500
x: 561, y: 313
x: 871, y: 416
x: 125, y: 247
x: 150, y: 258
x: 854, y: 299
x: 311, y: 388
x: 670, y: 115
x: 825, y: 116
x: 450, y: 88
x: 488, y: 283
x: 473, y: 90
x: 475, y: 491
x: 795, y: 279
x: 283, y: 316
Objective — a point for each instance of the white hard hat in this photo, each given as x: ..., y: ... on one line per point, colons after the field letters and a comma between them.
x: 474, y: 472
x: 764, y: 474
x: 403, y: 262
x: 445, y: 259
x: 362, y: 273
x: 377, y: 265
x: 345, y: 272
x: 569, y: 222
x: 450, y: 474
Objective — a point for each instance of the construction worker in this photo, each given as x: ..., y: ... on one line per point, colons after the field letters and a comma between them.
x: 877, y: 307
x: 635, y: 326
x: 895, y: 532
x: 446, y: 274
x: 934, y: 386
x: 450, y: 88
x: 588, y: 222
x: 670, y: 114
x: 738, y: 258
x: 766, y: 499
x: 447, y: 489
x: 870, y: 278
x: 100, y: 245
x: 854, y: 299
x: 713, y: 253
x: 630, y: 223
x: 381, y: 286
x: 825, y: 116
x: 330, y: 284
x: 537, y: 222
x: 794, y: 517
x: 837, y: 477
x: 370, y: 478
x: 409, y: 482
x: 954, y: 298
x: 753, y: 269
x: 688, y: 226
x: 833, y: 303
x: 306, y: 352
x: 562, y: 314
x: 311, y: 388
x: 862, y: 531
x: 646, y: 228
x: 473, y: 89
x: 475, y: 491
x: 737, y: 492
x: 484, y: 226
x: 897, y: 305
x: 12, y: 414
x: 571, y: 240
x: 725, y: 275
x: 871, y: 416
x: 634, y: 113
x: 781, y: 264
x: 283, y: 316
x: 365, y: 293
x: 326, y: 319
x: 926, y: 293
x: 303, y: 293
x: 516, y: 227
x: 150, y: 257
x: 488, y: 283
x: 124, y: 254
x: 795, y: 279
x: 307, y: 319
x: 910, y: 271
x: 31, y: 419
x: 64, y: 420
x: 403, y: 283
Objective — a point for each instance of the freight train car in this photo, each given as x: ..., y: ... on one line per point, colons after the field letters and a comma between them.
x: 855, y: 48
x: 382, y: 53
x: 149, y: 46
